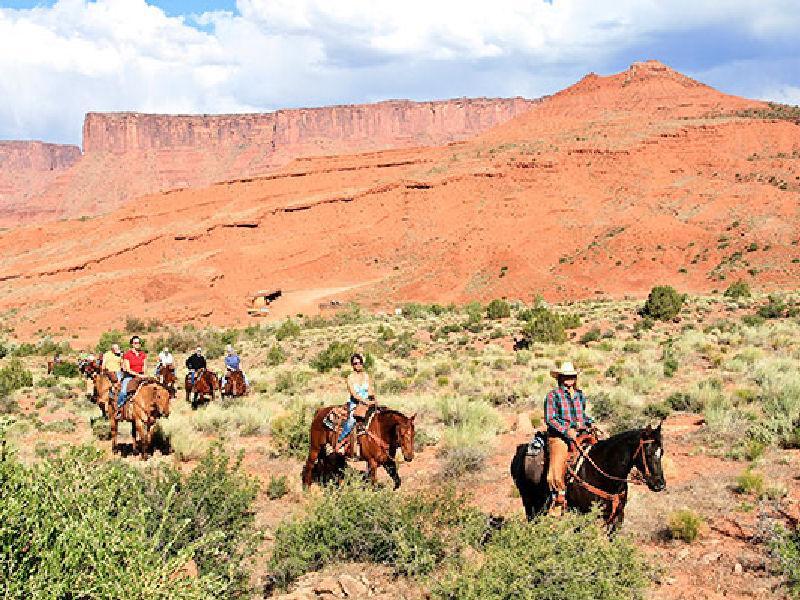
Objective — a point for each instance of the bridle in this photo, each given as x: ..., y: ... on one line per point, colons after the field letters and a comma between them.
x: 616, y: 500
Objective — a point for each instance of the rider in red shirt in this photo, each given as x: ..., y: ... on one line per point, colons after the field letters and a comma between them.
x: 132, y: 366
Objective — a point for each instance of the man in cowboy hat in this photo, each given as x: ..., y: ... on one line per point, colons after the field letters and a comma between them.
x: 565, y: 415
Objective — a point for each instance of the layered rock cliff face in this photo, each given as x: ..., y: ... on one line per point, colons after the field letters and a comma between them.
x: 27, y: 170
x: 131, y: 154
x: 37, y: 156
x: 384, y: 124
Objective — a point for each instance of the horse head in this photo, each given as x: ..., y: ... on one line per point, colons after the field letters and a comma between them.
x: 648, y: 458
x: 405, y: 431
x: 161, y: 396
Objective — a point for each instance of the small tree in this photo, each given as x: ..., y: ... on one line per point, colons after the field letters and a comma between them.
x: 738, y: 289
x: 663, y: 303
x: 498, y: 309
x: 545, y: 326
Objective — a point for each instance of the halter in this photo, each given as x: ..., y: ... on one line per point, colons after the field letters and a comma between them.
x: 617, y: 499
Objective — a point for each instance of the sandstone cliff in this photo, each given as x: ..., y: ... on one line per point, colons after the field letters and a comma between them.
x: 130, y: 154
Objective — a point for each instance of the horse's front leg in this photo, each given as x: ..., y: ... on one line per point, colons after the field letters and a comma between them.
x: 372, y: 470
x: 391, y: 468
x: 114, y: 425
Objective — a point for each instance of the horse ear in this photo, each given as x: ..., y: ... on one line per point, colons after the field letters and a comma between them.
x: 414, y: 416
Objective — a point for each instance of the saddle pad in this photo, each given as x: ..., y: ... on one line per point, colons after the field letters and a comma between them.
x: 335, y: 417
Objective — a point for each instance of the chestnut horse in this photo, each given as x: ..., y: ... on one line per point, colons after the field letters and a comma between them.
x: 388, y: 430
x: 149, y: 402
x: 205, y: 382
x: 234, y: 384
x: 602, y: 475
x: 105, y: 390
x: 167, y: 378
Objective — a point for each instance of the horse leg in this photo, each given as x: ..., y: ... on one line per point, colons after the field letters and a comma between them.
x: 372, y: 470
x: 142, y: 438
x: 391, y: 468
x: 113, y: 423
x: 313, y: 455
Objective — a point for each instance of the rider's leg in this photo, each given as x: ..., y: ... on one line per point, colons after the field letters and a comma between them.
x: 349, y: 423
x: 556, y: 471
x: 121, y: 397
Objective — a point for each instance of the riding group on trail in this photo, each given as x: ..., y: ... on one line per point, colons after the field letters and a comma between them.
x: 564, y: 467
x: 124, y: 393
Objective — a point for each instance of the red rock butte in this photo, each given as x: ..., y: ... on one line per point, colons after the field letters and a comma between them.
x: 127, y: 155
x: 603, y: 190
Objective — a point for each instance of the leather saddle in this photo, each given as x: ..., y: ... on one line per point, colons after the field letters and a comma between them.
x: 536, y: 458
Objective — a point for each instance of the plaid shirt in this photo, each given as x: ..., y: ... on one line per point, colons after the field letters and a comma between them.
x: 563, y: 411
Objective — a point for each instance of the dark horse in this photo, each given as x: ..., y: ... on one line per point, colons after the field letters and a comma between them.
x: 205, y: 382
x: 601, y: 476
x: 388, y: 430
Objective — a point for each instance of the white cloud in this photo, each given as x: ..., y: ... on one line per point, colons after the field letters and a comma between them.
x: 57, y: 63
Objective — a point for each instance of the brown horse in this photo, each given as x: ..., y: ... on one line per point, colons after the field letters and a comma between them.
x: 205, y: 382
x: 167, y: 378
x: 234, y: 385
x: 105, y: 389
x: 149, y: 402
x: 388, y: 430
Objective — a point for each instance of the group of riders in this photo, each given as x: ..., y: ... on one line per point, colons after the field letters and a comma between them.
x: 568, y: 425
x: 131, y: 366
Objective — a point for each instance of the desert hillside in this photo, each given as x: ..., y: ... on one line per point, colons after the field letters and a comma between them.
x: 599, y: 191
x: 126, y: 155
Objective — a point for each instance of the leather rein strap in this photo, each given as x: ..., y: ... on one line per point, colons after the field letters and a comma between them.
x: 616, y: 500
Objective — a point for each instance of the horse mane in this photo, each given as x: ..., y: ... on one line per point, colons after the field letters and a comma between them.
x: 391, y: 411
x: 628, y: 437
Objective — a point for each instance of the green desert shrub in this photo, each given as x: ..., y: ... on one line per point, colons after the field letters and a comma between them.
x: 287, y: 329
x: 738, y: 289
x: 571, y: 558
x: 276, y: 356
x: 785, y: 547
x: 750, y: 482
x: 593, y: 335
x: 65, y: 369
x: 108, y: 338
x: 775, y: 308
x: 545, y: 326
x: 291, y: 381
x: 356, y: 522
x: 663, y: 303
x: 498, y: 309
x: 290, y: 431
x: 14, y: 376
x: 685, y: 525
x: 84, y: 527
x: 334, y: 356
x: 277, y: 487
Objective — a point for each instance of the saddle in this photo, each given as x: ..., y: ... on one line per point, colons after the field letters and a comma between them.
x: 537, y: 454
x: 335, y: 419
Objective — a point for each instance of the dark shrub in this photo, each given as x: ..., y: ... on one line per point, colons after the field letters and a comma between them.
x: 738, y: 289
x: 356, y: 522
x: 335, y: 355
x: 663, y: 303
x: 775, y: 308
x: 592, y: 335
x: 545, y: 326
x: 14, y: 376
x: 65, y: 369
x: 571, y: 558
x: 290, y: 431
x: 498, y: 309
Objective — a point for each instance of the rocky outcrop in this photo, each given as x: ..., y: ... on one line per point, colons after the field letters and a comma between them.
x: 36, y: 156
x: 384, y: 124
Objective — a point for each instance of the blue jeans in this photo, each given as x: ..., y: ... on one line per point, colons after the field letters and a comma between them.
x: 351, y: 421
x: 123, y: 385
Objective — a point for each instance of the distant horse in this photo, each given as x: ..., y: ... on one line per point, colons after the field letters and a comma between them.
x: 89, y: 368
x: 205, y: 383
x: 388, y: 431
x: 149, y: 402
x: 602, y: 475
x: 234, y: 384
x: 167, y: 378
x: 105, y: 387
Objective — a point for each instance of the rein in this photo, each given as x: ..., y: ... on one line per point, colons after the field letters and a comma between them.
x: 616, y: 500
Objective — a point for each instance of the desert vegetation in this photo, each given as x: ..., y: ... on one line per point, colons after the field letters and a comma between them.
x: 223, y: 493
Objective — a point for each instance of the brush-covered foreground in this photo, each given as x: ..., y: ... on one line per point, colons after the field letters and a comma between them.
x: 724, y: 372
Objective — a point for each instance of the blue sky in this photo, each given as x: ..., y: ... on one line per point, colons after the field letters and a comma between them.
x: 59, y: 60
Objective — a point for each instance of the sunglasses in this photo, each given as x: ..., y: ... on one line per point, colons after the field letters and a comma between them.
x: 356, y: 362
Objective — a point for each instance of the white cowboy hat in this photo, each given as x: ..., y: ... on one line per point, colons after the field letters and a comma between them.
x: 566, y: 368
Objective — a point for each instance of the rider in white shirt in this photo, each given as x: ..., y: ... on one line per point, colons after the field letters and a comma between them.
x: 165, y: 358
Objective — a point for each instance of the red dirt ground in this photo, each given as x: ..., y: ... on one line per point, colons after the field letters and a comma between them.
x: 602, y: 190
